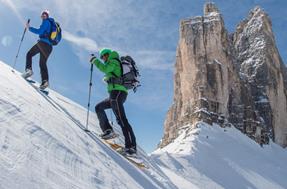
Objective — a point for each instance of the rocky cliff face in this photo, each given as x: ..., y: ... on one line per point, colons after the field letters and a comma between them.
x: 260, y: 65
x: 238, y: 78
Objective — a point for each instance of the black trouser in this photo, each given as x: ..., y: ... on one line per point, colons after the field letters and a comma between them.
x: 116, y: 101
x: 45, y: 50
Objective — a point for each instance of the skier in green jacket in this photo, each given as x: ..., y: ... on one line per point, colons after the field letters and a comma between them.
x: 117, y: 96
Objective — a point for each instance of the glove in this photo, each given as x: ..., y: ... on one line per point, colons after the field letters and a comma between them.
x: 93, y: 57
x: 27, y: 26
x: 105, y: 80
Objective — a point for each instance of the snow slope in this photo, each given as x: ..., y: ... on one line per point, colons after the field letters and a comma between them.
x: 214, y: 157
x: 43, y: 146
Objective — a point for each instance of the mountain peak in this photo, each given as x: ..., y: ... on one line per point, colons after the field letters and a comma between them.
x: 257, y: 10
x: 257, y: 14
x: 238, y: 80
x: 210, y: 7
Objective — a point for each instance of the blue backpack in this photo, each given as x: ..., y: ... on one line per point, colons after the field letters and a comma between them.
x: 55, y: 34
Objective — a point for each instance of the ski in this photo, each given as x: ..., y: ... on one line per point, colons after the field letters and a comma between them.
x: 112, y: 144
x: 45, y: 94
x: 136, y: 160
x: 32, y: 82
x: 115, y: 146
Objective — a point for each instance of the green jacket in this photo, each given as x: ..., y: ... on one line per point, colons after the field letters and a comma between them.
x: 110, y: 67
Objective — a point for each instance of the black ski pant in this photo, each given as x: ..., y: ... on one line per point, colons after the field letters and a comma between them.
x: 116, y: 101
x: 45, y: 50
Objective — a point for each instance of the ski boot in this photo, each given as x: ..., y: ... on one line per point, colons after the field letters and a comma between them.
x: 108, y: 134
x: 129, y: 152
x: 27, y: 73
x: 44, y: 85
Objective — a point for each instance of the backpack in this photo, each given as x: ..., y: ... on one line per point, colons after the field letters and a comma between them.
x: 55, y: 34
x: 130, y: 74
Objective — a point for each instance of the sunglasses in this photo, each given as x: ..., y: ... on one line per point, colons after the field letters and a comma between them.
x: 103, y: 56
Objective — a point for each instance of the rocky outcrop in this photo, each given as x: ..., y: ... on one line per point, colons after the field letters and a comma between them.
x: 261, y: 66
x: 229, y: 78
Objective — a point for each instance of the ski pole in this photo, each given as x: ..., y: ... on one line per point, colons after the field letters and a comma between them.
x: 112, y: 120
x: 20, y: 46
x: 90, y: 87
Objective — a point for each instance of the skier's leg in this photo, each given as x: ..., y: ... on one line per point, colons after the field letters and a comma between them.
x: 32, y: 52
x: 45, y: 51
x: 117, y: 100
x: 100, y: 110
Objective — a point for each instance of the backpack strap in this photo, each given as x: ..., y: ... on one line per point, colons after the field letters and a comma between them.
x: 116, y: 79
x: 121, y: 66
x: 51, y: 28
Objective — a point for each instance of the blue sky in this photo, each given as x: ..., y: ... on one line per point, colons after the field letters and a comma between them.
x: 147, y: 30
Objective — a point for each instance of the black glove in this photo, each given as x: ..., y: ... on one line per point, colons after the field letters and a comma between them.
x: 93, y: 57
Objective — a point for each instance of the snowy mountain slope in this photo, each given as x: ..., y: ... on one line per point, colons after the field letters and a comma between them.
x: 43, y: 146
x: 214, y: 157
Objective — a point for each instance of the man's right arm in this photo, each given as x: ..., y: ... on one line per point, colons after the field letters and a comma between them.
x: 106, y: 68
x: 44, y: 27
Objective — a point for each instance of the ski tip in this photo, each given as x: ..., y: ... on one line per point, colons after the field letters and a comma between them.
x: 140, y: 165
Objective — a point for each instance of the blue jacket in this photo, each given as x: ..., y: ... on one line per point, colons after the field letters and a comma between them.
x: 43, y: 31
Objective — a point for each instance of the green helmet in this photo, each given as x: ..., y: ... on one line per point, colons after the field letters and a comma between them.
x: 105, y: 51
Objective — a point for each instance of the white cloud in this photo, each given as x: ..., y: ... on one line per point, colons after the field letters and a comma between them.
x: 151, y: 60
x: 82, y: 42
x: 86, y: 20
x: 6, y: 40
x: 155, y: 60
x: 13, y: 7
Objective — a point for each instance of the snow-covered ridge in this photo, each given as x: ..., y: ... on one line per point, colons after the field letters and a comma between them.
x: 43, y: 146
x: 215, y: 157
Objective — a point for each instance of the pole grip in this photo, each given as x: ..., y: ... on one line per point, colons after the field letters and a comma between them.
x: 28, y: 21
x: 92, y: 65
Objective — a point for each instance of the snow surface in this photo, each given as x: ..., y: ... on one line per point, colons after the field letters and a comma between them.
x: 211, y: 17
x: 215, y: 157
x: 43, y: 146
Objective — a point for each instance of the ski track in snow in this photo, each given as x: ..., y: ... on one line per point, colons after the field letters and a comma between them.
x: 43, y: 145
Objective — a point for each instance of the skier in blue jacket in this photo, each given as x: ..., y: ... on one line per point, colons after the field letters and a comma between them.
x: 43, y: 46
